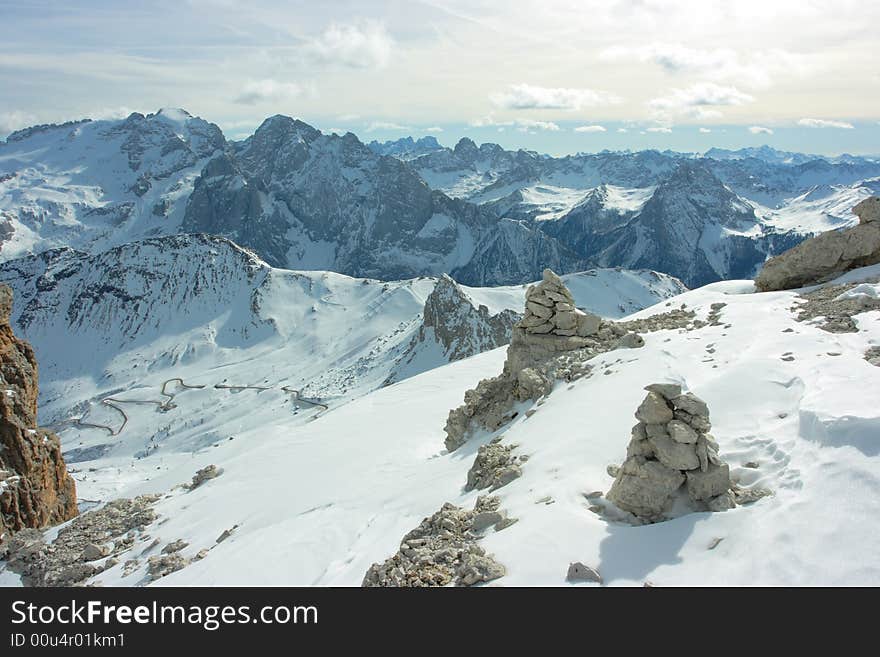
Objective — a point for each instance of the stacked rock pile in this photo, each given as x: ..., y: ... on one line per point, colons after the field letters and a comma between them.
x: 671, y: 448
x: 550, y: 309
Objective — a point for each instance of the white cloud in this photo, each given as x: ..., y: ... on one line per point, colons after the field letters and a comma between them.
x: 111, y: 113
x: 822, y: 123
x: 348, y: 117
x: 526, y: 96
x: 590, y: 128
x: 363, y: 45
x: 760, y: 130
x: 434, y: 128
x: 268, y: 90
x: 697, y: 100
x: 387, y: 125
x: 524, y: 125
x: 622, y: 130
x: 15, y: 120
x: 705, y: 131
x: 755, y: 68
x: 661, y: 129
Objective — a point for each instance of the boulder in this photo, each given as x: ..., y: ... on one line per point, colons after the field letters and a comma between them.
x: 827, y: 255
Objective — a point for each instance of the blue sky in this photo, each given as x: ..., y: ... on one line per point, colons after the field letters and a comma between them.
x: 552, y: 75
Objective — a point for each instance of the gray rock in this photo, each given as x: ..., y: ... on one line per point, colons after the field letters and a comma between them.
x: 486, y: 519
x: 565, y: 320
x: 868, y: 210
x: 722, y: 502
x: 93, y: 551
x: 674, y: 454
x: 508, y: 474
x: 587, y: 324
x: 654, y: 410
x: 645, y: 488
x: 711, y: 483
x: 690, y: 403
x: 174, y: 546
x: 578, y: 572
x: 681, y: 432
x: 539, y: 310
x: 630, y: 341
x: 666, y: 390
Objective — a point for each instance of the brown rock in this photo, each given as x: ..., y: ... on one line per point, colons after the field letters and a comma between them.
x: 36, y: 490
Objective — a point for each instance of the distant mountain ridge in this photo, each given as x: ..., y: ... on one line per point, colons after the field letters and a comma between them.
x: 302, y: 199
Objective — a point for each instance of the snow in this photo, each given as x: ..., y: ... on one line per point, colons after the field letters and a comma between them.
x: 318, y: 502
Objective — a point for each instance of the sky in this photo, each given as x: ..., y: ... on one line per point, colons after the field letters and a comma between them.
x: 556, y: 76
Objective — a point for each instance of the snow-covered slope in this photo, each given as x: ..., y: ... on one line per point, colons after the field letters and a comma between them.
x: 97, y: 184
x: 127, y: 321
x: 318, y: 503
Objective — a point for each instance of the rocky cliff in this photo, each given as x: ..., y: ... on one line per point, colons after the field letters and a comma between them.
x: 35, y: 489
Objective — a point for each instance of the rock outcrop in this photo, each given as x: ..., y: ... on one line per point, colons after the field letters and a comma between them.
x: 553, y: 340
x: 825, y: 256
x: 443, y: 550
x: 91, y: 544
x: 35, y: 488
x: 455, y: 324
x: 671, y: 448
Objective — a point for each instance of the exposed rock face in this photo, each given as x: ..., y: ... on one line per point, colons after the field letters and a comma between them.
x: 671, y: 448
x: 457, y: 325
x: 443, y: 549
x: 35, y: 489
x: 553, y: 340
x: 825, y: 256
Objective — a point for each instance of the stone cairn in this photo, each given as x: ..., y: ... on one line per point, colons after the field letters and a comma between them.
x: 550, y: 309
x: 671, y: 448
x: 554, y: 340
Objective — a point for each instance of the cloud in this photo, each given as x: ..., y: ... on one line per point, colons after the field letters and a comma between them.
x: 526, y: 96
x: 15, y: 120
x: 705, y: 130
x: 387, y: 125
x: 661, y: 129
x: 354, y: 45
x: 760, y: 130
x: 755, y: 68
x: 523, y: 125
x: 590, y: 128
x: 622, y: 130
x: 261, y: 91
x: 348, y: 117
x: 434, y: 128
x: 822, y: 123
x: 111, y: 113
x: 697, y: 100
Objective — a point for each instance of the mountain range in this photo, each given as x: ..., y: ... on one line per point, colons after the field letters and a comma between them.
x: 302, y: 199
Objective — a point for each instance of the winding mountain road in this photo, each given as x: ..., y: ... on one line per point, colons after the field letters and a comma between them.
x: 168, y: 404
